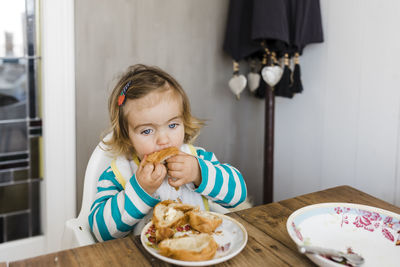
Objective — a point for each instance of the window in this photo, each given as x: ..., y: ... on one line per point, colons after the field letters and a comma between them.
x: 20, y: 120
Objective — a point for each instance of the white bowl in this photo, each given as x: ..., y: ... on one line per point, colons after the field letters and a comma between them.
x: 368, y: 231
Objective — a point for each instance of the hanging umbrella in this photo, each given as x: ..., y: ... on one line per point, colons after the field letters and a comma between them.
x: 307, y: 29
x: 285, y: 27
x: 238, y: 42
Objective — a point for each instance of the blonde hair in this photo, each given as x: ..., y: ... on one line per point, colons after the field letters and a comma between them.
x: 144, y: 80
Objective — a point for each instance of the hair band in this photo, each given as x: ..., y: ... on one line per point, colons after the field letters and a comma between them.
x: 122, y: 96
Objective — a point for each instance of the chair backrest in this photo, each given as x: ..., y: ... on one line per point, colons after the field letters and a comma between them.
x: 98, y: 162
x: 77, y: 231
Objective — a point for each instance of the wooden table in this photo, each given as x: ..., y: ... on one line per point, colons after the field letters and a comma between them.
x: 268, y: 245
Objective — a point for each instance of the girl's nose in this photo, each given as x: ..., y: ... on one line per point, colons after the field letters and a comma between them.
x: 162, y: 138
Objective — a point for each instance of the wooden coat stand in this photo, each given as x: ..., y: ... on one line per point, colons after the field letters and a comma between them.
x: 269, y: 145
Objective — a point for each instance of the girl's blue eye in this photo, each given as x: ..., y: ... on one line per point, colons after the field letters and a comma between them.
x: 173, y: 125
x: 146, y: 132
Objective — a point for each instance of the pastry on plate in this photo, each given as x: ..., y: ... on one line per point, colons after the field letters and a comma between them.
x: 199, y: 247
x: 203, y: 221
x: 167, y: 215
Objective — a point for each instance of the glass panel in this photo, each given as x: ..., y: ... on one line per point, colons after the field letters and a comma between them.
x: 30, y: 28
x: 13, y: 89
x: 12, y: 28
x: 35, y: 208
x: 13, y: 137
x: 20, y: 124
x: 32, y: 85
x: 34, y: 157
x: 20, y: 175
x: 1, y: 229
x: 17, y: 226
x: 5, y: 176
x: 14, y: 198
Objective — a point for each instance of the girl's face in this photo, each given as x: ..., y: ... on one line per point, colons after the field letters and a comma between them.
x: 155, y: 122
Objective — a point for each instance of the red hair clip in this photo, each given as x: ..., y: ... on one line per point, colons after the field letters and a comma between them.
x: 122, y: 96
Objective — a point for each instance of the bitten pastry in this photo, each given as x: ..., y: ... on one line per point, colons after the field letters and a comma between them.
x: 189, y: 248
x: 162, y: 155
x: 203, y: 221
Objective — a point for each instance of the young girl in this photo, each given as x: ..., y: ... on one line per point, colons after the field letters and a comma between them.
x: 149, y: 111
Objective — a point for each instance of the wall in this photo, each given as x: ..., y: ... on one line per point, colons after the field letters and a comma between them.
x: 343, y: 129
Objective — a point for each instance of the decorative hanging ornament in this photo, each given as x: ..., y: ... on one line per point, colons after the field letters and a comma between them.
x: 296, y: 86
x: 283, y: 87
x: 272, y: 74
x: 254, y: 81
x: 263, y: 87
x: 253, y: 77
x: 238, y: 82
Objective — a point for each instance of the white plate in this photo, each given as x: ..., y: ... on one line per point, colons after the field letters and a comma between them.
x: 368, y: 231
x: 230, y: 231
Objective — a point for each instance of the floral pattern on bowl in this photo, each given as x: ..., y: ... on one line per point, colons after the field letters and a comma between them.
x: 371, y: 232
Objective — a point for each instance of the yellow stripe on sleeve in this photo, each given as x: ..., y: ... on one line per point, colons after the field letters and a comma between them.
x: 118, y: 175
x: 193, y: 150
x: 205, y: 202
x: 136, y: 160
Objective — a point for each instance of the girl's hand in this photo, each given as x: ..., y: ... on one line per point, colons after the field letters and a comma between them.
x: 182, y: 169
x: 150, y: 176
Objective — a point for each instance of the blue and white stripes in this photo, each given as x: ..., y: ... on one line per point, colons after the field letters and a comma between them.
x: 222, y: 183
x: 116, y: 210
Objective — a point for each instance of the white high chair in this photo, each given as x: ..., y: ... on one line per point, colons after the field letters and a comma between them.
x: 77, y: 231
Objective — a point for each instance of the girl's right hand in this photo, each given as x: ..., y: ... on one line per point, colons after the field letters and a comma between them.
x: 150, y: 176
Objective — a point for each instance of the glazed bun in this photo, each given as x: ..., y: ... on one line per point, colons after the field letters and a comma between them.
x: 199, y: 247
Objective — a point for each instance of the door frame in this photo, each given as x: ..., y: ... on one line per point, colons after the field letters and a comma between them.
x: 58, y: 188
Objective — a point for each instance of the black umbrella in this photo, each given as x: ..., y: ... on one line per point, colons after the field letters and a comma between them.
x: 284, y: 27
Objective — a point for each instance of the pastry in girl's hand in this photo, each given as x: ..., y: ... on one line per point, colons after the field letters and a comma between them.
x: 162, y: 155
x: 199, y: 247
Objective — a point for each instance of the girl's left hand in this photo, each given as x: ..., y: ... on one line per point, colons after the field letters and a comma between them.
x: 182, y: 169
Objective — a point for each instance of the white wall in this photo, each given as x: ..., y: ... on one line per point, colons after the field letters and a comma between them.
x: 344, y: 128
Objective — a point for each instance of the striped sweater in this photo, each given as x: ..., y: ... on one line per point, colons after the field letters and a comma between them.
x: 117, y: 210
